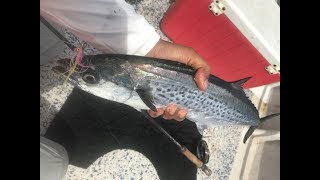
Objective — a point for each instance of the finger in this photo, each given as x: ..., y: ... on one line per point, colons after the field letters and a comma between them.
x: 201, y: 79
x: 180, y: 114
x: 202, y: 71
x: 169, y: 111
x: 159, y: 112
x: 197, y: 63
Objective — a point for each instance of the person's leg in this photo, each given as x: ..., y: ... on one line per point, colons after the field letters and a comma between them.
x: 53, y: 160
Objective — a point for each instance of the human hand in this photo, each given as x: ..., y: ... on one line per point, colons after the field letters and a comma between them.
x: 188, y: 56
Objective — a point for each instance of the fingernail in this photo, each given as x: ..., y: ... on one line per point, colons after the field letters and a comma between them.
x: 205, y: 84
x: 182, y: 114
x: 159, y: 112
x: 171, y: 112
x: 164, y: 117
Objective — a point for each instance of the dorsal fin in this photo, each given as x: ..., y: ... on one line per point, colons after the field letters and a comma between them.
x: 239, y: 83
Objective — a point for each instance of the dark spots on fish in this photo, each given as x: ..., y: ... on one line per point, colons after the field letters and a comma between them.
x: 225, y: 109
x: 171, y: 95
x: 176, y: 89
x: 220, y: 106
x: 148, y: 81
x: 228, y: 112
x: 186, y: 103
x: 222, y: 115
x: 159, y: 89
x: 210, y: 97
x: 181, y: 92
x: 161, y: 95
x: 156, y: 83
x: 218, y: 114
x: 189, y: 96
x: 177, y: 99
x: 211, y: 104
x: 201, y: 99
x: 168, y: 90
x: 183, y: 95
x: 215, y: 100
x: 196, y: 104
x: 190, y: 91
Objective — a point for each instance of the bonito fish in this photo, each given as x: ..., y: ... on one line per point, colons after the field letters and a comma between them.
x: 149, y: 83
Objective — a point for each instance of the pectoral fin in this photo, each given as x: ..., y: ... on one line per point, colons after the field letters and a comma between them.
x: 146, y: 97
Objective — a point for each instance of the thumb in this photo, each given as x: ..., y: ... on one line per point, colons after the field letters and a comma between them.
x: 201, y: 78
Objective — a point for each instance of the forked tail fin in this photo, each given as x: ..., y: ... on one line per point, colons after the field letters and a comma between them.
x: 252, y: 128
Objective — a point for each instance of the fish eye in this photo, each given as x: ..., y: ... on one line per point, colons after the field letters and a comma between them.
x: 90, y: 78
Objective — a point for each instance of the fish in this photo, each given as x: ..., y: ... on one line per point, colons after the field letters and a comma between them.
x: 149, y: 83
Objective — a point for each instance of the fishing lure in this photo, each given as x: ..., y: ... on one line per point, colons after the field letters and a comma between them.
x: 77, y: 61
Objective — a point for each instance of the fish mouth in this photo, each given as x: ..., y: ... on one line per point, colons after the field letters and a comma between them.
x: 79, y: 75
x: 64, y: 67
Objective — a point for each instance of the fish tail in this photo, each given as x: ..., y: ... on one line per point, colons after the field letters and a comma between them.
x: 269, y: 117
x: 253, y: 128
x: 249, y: 133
